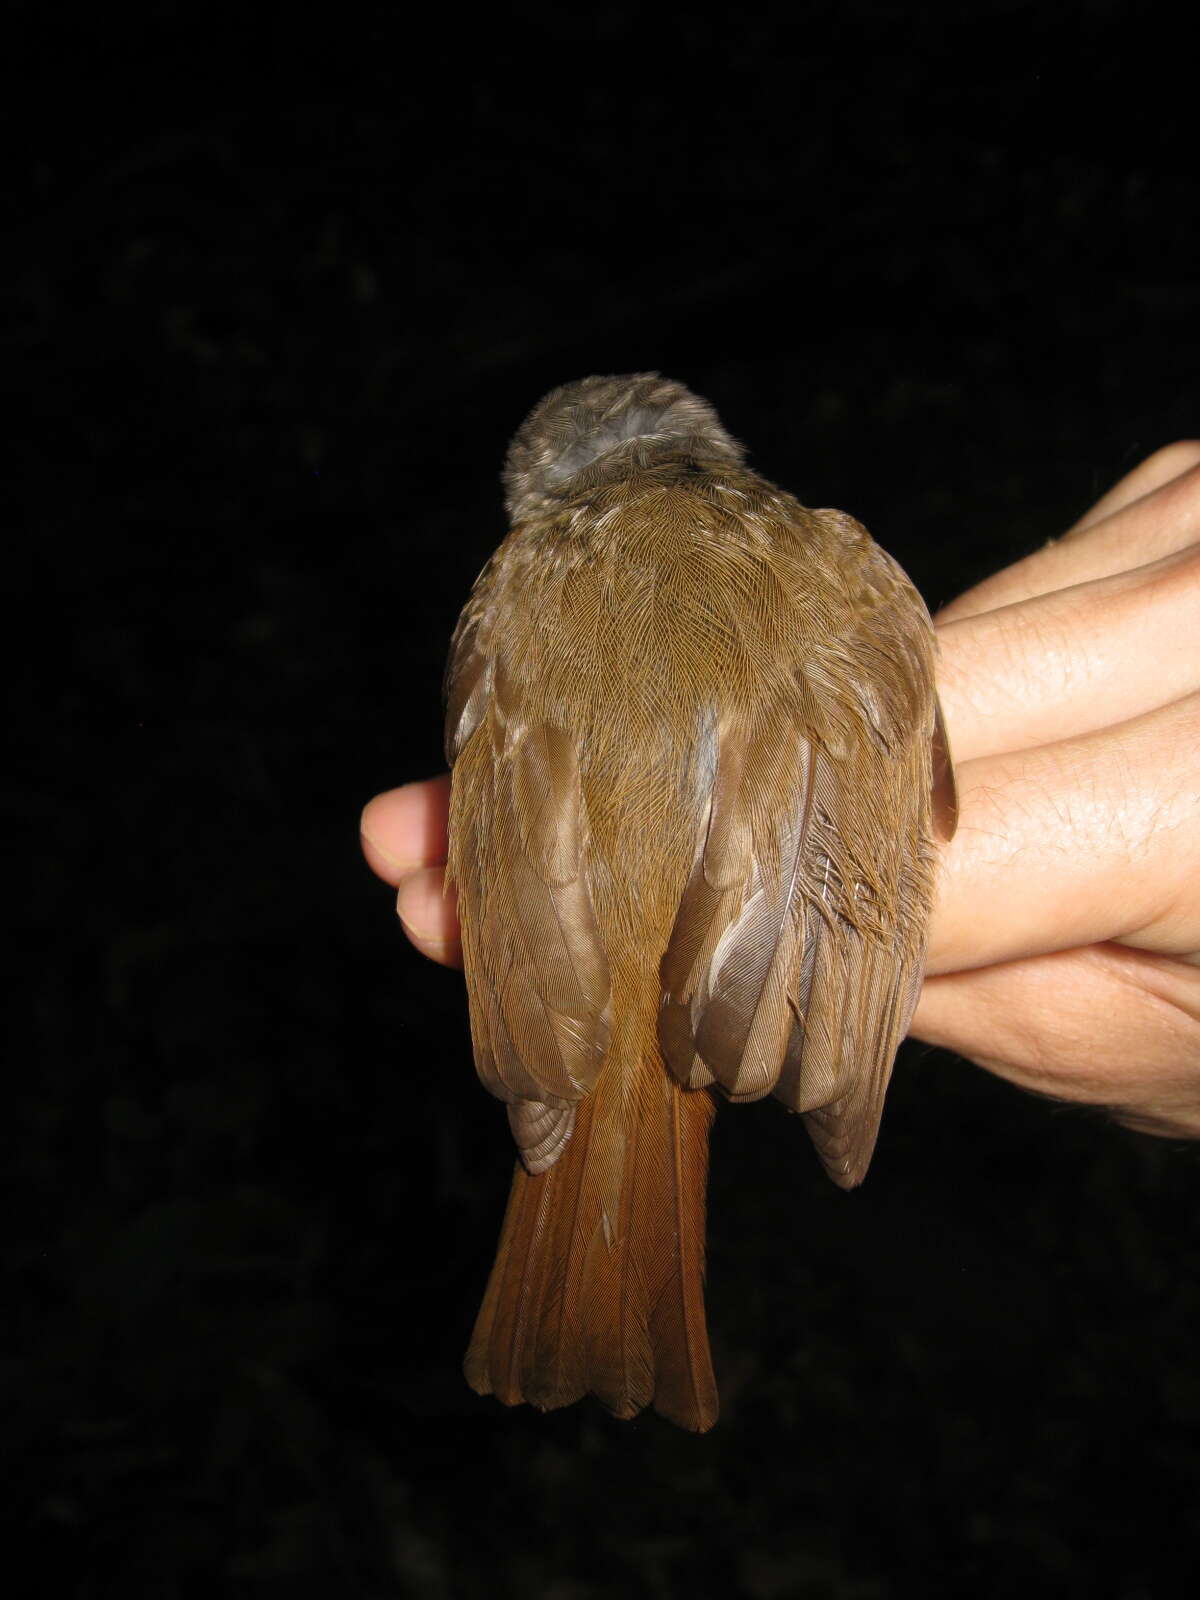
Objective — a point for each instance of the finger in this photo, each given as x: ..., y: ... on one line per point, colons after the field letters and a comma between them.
x: 429, y: 915
x: 406, y: 828
x: 1172, y: 461
x: 1163, y: 517
x: 1073, y: 660
x: 1104, y: 1025
x: 1075, y: 843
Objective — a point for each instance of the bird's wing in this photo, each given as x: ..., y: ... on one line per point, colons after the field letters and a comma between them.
x: 537, y: 974
x: 797, y: 952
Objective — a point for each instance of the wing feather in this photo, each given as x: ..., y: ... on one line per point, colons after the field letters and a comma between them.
x: 537, y: 975
x: 796, y: 955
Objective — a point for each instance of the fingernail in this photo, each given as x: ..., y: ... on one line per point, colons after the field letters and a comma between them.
x: 381, y: 850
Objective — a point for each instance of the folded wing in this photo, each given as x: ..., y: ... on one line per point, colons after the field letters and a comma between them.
x: 537, y: 974
x: 797, y: 953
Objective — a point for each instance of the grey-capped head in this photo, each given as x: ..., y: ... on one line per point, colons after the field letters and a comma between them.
x: 577, y: 424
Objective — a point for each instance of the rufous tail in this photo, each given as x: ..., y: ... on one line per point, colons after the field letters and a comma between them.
x: 598, y: 1286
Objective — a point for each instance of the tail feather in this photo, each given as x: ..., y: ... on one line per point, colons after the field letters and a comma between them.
x: 618, y: 1356
x: 598, y: 1285
x: 687, y: 1392
x: 507, y: 1322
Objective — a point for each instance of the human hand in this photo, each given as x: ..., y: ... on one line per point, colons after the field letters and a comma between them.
x: 1065, y: 942
x: 1065, y: 938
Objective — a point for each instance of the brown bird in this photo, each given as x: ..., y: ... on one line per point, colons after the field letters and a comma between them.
x: 698, y: 768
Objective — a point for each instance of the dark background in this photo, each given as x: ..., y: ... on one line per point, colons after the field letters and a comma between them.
x: 281, y: 285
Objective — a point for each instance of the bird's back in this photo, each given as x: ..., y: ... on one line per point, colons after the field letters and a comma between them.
x: 665, y: 599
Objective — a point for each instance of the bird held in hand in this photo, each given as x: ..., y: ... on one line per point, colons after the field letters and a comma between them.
x: 698, y: 768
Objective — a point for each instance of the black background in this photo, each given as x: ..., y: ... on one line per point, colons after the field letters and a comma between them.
x: 282, y: 284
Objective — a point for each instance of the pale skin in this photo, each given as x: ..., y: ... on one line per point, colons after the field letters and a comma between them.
x: 1065, y: 943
